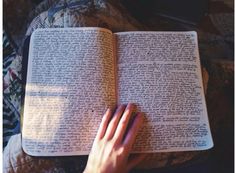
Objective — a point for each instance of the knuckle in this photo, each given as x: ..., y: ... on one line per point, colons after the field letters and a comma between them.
x: 124, y: 122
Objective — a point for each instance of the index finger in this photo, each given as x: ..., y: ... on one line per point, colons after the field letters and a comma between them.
x: 123, y: 123
x: 104, y: 124
x: 132, y: 133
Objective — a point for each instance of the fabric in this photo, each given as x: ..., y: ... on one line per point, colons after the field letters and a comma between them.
x: 16, y: 161
x: 11, y: 90
x: 83, y: 13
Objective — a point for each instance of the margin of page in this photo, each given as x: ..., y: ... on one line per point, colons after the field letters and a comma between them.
x: 115, y: 66
x: 28, y: 77
x: 72, y: 28
x: 175, y: 150
x: 210, y: 143
x: 48, y: 154
x: 156, y: 32
x: 133, y: 152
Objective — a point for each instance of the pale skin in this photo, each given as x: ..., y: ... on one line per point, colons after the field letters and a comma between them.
x: 111, y: 148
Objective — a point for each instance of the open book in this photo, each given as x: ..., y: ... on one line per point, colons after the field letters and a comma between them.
x: 75, y: 74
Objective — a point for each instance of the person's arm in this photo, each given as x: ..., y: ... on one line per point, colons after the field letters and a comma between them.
x: 112, y: 145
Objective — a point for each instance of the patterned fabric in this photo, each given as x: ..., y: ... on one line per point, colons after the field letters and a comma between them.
x: 15, y: 160
x: 7, y: 48
x: 11, y: 90
x: 83, y: 13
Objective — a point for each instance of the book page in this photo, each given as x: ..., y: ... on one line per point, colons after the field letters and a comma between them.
x: 160, y: 72
x: 70, y: 83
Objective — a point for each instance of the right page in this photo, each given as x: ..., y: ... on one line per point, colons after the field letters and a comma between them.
x: 160, y: 72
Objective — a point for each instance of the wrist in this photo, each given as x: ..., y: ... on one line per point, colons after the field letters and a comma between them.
x: 86, y: 170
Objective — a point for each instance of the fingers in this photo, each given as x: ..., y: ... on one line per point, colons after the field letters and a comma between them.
x: 114, y: 122
x: 104, y: 124
x: 116, y: 127
x: 135, y: 160
x: 122, y: 125
x: 132, y: 132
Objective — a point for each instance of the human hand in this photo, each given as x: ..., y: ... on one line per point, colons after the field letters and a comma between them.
x: 111, y: 148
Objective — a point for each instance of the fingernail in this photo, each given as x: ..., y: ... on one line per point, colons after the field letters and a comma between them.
x: 131, y: 105
x: 122, y: 106
x: 140, y: 117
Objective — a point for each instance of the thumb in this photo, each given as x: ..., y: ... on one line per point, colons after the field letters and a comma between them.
x: 135, y: 160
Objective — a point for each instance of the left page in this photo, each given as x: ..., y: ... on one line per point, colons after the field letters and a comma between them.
x: 70, y: 83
